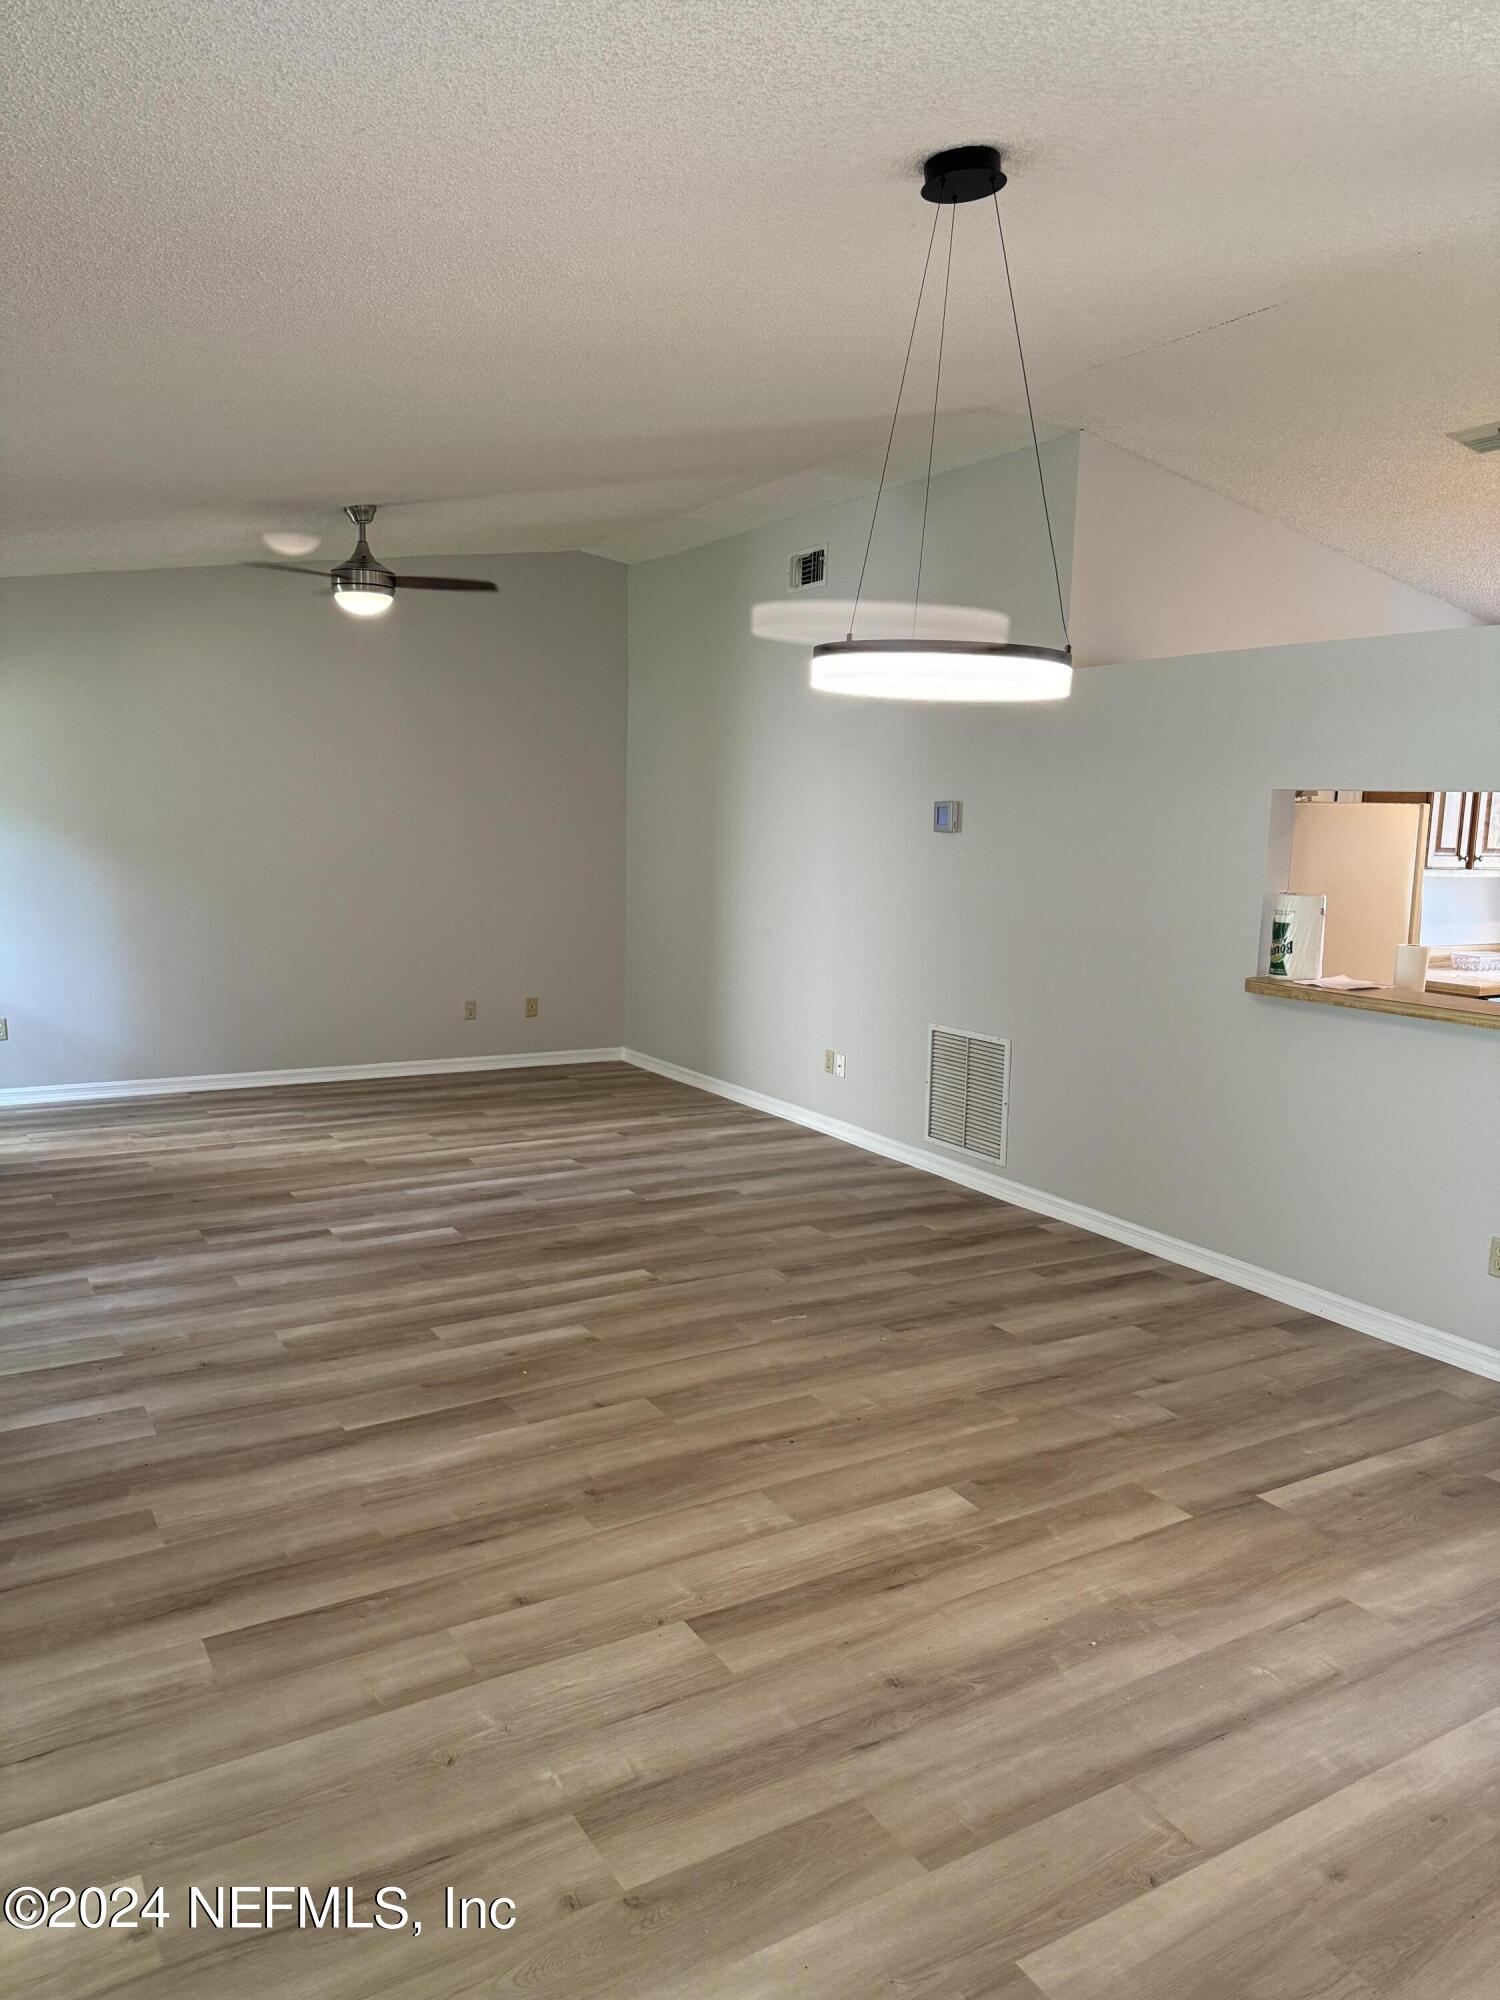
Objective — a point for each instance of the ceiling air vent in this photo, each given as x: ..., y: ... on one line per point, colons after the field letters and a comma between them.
x: 968, y: 1092
x: 1484, y: 437
x: 808, y: 569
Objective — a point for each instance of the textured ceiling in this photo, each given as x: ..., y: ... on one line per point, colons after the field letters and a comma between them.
x: 627, y: 276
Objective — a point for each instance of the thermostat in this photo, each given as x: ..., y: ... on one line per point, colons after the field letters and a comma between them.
x: 947, y: 815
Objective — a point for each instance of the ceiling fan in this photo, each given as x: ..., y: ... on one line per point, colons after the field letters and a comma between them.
x: 365, y: 587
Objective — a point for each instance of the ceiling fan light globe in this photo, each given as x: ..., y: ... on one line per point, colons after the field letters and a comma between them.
x: 363, y: 600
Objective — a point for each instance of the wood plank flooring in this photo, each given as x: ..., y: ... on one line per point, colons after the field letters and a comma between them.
x: 778, y: 1571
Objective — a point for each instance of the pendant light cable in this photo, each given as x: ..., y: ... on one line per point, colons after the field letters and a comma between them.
x: 937, y: 384
x: 895, y: 419
x: 1036, y: 449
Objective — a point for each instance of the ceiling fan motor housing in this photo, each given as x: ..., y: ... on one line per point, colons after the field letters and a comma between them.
x: 364, y: 575
x: 361, y: 571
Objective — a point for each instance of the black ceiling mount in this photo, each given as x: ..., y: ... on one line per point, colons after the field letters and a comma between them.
x: 963, y: 173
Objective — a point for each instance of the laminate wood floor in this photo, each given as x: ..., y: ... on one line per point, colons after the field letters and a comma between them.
x: 778, y: 1571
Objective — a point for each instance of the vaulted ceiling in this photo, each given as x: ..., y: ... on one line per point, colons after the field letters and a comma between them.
x: 630, y: 274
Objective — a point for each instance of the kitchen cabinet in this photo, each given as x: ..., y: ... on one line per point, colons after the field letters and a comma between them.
x: 1450, y: 830
x: 1464, y: 832
x: 1487, y: 832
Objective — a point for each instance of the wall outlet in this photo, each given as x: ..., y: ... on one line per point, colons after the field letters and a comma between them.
x: 4, y: 1029
x: 471, y: 1010
x: 1494, y: 1240
x: 838, y: 1064
x: 828, y: 1060
x: 533, y: 1008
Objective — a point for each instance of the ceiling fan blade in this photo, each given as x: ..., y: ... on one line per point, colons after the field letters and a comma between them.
x: 444, y: 583
x: 289, y: 569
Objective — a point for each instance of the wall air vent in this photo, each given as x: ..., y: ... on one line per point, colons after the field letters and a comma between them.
x: 808, y: 569
x: 1484, y: 437
x: 968, y: 1092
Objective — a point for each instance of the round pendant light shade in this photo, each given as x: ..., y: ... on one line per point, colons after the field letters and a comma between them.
x: 941, y: 670
x: 969, y: 664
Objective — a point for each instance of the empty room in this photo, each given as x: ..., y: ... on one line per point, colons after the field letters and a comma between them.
x: 749, y: 968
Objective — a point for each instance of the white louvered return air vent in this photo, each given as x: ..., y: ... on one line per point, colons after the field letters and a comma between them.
x: 808, y: 569
x: 968, y: 1092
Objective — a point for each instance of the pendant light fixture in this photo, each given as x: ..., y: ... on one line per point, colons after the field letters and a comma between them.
x: 949, y: 669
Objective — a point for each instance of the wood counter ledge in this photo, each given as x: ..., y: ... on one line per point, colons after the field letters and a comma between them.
x: 1454, y: 1008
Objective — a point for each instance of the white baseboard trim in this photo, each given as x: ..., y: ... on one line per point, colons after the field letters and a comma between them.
x: 271, y: 1079
x: 1457, y: 1349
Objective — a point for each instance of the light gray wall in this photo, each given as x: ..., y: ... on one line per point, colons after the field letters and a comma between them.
x: 241, y: 831
x: 1102, y: 907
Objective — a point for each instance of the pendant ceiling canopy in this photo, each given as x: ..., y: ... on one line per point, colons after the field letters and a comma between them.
x: 921, y: 668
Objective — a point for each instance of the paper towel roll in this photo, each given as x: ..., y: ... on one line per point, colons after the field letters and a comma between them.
x: 1297, y: 936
